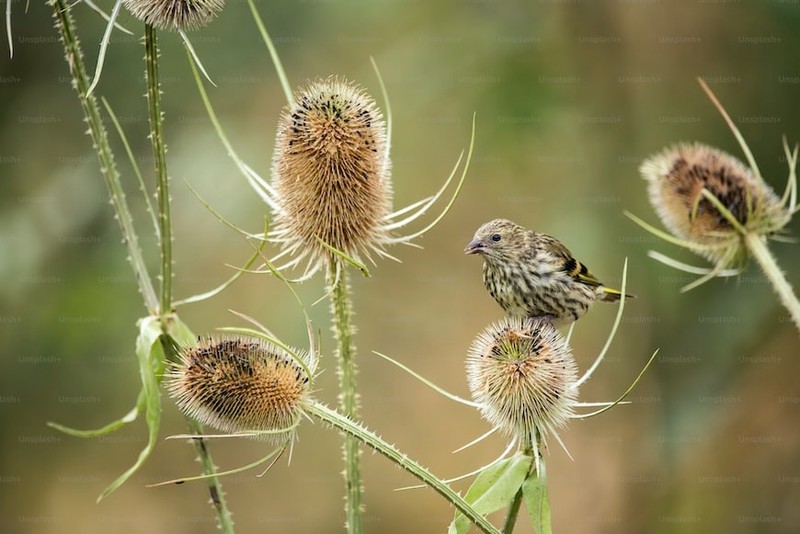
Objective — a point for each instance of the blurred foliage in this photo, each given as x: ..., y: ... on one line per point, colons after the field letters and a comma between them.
x: 570, y: 97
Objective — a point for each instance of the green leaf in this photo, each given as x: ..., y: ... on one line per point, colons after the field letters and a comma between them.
x: 150, y: 354
x: 534, y: 491
x: 107, y: 429
x: 494, y: 489
x: 181, y: 333
x: 346, y: 257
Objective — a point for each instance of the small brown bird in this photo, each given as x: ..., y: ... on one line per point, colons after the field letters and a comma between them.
x: 531, y: 274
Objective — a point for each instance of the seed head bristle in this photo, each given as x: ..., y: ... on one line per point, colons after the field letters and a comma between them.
x: 175, y: 15
x: 522, y: 373
x: 237, y: 384
x: 676, y: 178
x: 330, y: 169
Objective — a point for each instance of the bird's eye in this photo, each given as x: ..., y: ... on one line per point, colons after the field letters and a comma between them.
x: 496, y: 237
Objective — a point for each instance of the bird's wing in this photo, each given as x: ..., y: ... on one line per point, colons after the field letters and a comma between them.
x: 573, y: 267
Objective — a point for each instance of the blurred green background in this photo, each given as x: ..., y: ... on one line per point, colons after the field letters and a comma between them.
x: 570, y: 97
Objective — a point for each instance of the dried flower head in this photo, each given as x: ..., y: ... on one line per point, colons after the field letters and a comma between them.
x: 331, y: 171
x: 331, y: 192
x: 522, y: 374
x: 238, y: 384
x: 175, y: 15
x: 677, y: 179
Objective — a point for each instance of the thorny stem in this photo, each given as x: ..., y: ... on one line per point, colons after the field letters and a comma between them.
x: 358, y: 432
x: 513, y: 513
x: 224, y: 518
x: 348, y: 398
x: 160, y: 155
x: 80, y: 81
x: 165, y: 233
x: 757, y: 246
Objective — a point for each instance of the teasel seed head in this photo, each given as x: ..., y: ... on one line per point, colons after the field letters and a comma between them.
x: 237, y: 384
x: 331, y: 171
x: 676, y: 178
x: 523, y: 375
x: 175, y: 15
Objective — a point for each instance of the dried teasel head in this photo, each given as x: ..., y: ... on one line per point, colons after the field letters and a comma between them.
x: 331, y: 171
x: 331, y: 192
x: 523, y: 376
x: 238, y: 384
x: 709, y: 199
x: 175, y: 15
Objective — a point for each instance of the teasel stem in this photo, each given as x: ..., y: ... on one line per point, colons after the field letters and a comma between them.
x: 513, y: 513
x: 348, y: 398
x: 358, y: 433
x: 91, y: 111
x: 160, y: 156
x: 218, y: 502
x: 224, y: 519
x: 757, y: 246
x: 80, y: 80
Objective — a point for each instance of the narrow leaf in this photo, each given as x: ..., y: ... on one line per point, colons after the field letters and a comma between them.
x: 101, y: 57
x: 493, y: 489
x: 346, y: 257
x: 8, y: 30
x: 151, y: 359
x: 276, y: 61
x: 136, y: 170
x: 178, y: 331
x: 222, y: 473
x: 113, y: 426
x: 534, y: 492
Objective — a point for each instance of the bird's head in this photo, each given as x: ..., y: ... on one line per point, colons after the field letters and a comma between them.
x: 497, y: 240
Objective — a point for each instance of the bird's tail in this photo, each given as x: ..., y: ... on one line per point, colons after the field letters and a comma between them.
x: 613, y: 295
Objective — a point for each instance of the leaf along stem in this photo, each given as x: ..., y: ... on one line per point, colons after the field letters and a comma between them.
x: 513, y: 510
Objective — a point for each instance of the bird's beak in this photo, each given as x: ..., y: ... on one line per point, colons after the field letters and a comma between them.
x: 476, y: 246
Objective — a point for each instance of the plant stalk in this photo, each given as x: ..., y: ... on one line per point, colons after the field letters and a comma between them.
x: 348, y: 398
x: 160, y: 156
x: 218, y: 502
x: 513, y: 513
x: 360, y: 433
x: 80, y: 81
x: 757, y: 246
x: 224, y: 518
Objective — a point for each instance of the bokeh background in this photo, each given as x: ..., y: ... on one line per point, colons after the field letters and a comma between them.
x: 570, y: 97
